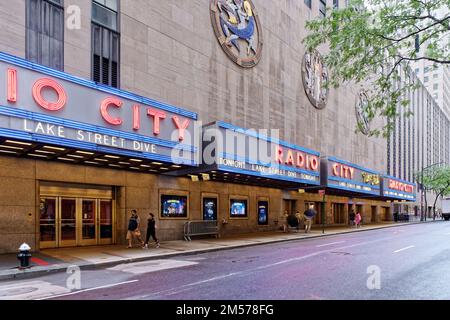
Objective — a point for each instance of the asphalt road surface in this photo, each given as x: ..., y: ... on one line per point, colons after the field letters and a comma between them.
x: 405, y: 262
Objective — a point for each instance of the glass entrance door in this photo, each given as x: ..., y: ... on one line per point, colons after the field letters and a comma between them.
x: 106, y: 222
x: 68, y: 223
x: 338, y: 213
x: 88, y: 219
x: 48, y: 222
x: 71, y: 222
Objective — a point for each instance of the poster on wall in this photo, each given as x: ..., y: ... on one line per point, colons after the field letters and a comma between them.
x: 263, y: 212
x: 210, y: 209
x: 238, y: 208
x: 174, y: 206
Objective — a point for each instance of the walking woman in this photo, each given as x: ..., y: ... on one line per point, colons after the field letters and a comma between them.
x: 133, y: 229
x: 151, y: 230
x: 358, y: 220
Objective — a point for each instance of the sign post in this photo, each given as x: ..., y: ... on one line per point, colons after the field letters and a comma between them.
x: 322, y: 193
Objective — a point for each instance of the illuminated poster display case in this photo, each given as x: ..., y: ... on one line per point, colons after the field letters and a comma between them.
x: 174, y: 206
x: 238, y: 208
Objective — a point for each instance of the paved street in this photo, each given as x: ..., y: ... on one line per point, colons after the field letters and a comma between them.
x: 413, y: 261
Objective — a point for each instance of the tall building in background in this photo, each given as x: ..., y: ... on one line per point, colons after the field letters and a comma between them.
x: 437, y: 81
x: 417, y: 142
x: 435, y: 77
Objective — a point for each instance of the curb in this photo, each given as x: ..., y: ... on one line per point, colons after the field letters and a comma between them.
x: 40, y: 271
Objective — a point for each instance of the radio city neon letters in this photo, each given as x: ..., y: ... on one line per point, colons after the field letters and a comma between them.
x: 300, y: 159
x: 110, y: 102
x: 180, y: 126
x: 157, y: 117
x: 12, y: 85
x: 105, y: 106
x: 41, y: 101
x: 136, y: 117
x: 343, y: 171
x: 400, y: 186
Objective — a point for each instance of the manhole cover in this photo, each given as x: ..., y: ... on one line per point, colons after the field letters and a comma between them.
x: 16, y: 291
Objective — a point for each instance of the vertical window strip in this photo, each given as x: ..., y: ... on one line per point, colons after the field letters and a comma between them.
x: 105, y: 51
x: 45, y: 33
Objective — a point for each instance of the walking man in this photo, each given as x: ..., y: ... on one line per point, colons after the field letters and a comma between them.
x: 352, y: 217
x: 151, y: 230
x: 309, y: 215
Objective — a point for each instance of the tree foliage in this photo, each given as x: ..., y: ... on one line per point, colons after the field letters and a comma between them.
x: 436, y: 180
x: 373, y: 42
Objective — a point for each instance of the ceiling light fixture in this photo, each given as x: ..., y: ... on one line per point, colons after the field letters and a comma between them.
x: 18, y: 142
x: 84, y: 152
x: 54, y: 148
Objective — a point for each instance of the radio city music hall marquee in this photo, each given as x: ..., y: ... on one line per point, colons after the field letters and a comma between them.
x: 34, y: 105
x: 340, y: 174
x: 235, y: 149
x: 398, y: 189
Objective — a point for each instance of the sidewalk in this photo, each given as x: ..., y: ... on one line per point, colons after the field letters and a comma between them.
x: 58, y: 260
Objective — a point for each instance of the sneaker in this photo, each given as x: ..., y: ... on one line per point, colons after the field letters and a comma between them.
x: 157, y: 245
x: 145, y: 246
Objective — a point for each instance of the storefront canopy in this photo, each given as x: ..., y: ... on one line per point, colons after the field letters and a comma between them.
x: 343, y: 178
x: 397, y: 189
x: 235, y: 154
x: 51, y: 115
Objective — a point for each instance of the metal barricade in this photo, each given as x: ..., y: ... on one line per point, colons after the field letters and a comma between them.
x: 200, y: 228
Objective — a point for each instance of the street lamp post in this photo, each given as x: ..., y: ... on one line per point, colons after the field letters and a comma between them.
x: 324, y: 207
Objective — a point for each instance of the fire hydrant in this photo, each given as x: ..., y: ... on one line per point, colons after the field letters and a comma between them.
x: 24, y: 256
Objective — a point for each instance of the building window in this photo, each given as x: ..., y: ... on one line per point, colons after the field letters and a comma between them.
x: 105, y: 42
x: 308, y: 3
x: 335, y: 4
x: 435, y: 86
x: 426, y: 69
x: 425, y: 79
x: 435, y: 76
x: 45, y: 32
x: 417, y: 70
x: 322, y: 8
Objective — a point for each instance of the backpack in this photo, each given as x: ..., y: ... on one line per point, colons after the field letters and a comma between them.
x: 132, y: 225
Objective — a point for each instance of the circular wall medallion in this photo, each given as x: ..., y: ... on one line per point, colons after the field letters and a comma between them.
x: 238, y: 29
x: 362, y: 118
x: 315, y: 76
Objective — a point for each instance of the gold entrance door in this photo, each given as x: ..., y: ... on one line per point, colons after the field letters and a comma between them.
x: 67, y: 222
x: 87, y: 222
x: 71, y: 217
x: 48, y: 218
x: 105, y: 229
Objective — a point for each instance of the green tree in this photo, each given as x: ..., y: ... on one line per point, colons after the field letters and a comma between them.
x: 373, y: 42
x: 436, y: 180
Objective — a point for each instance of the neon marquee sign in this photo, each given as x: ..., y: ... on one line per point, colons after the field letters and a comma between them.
x: 46, y: 84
